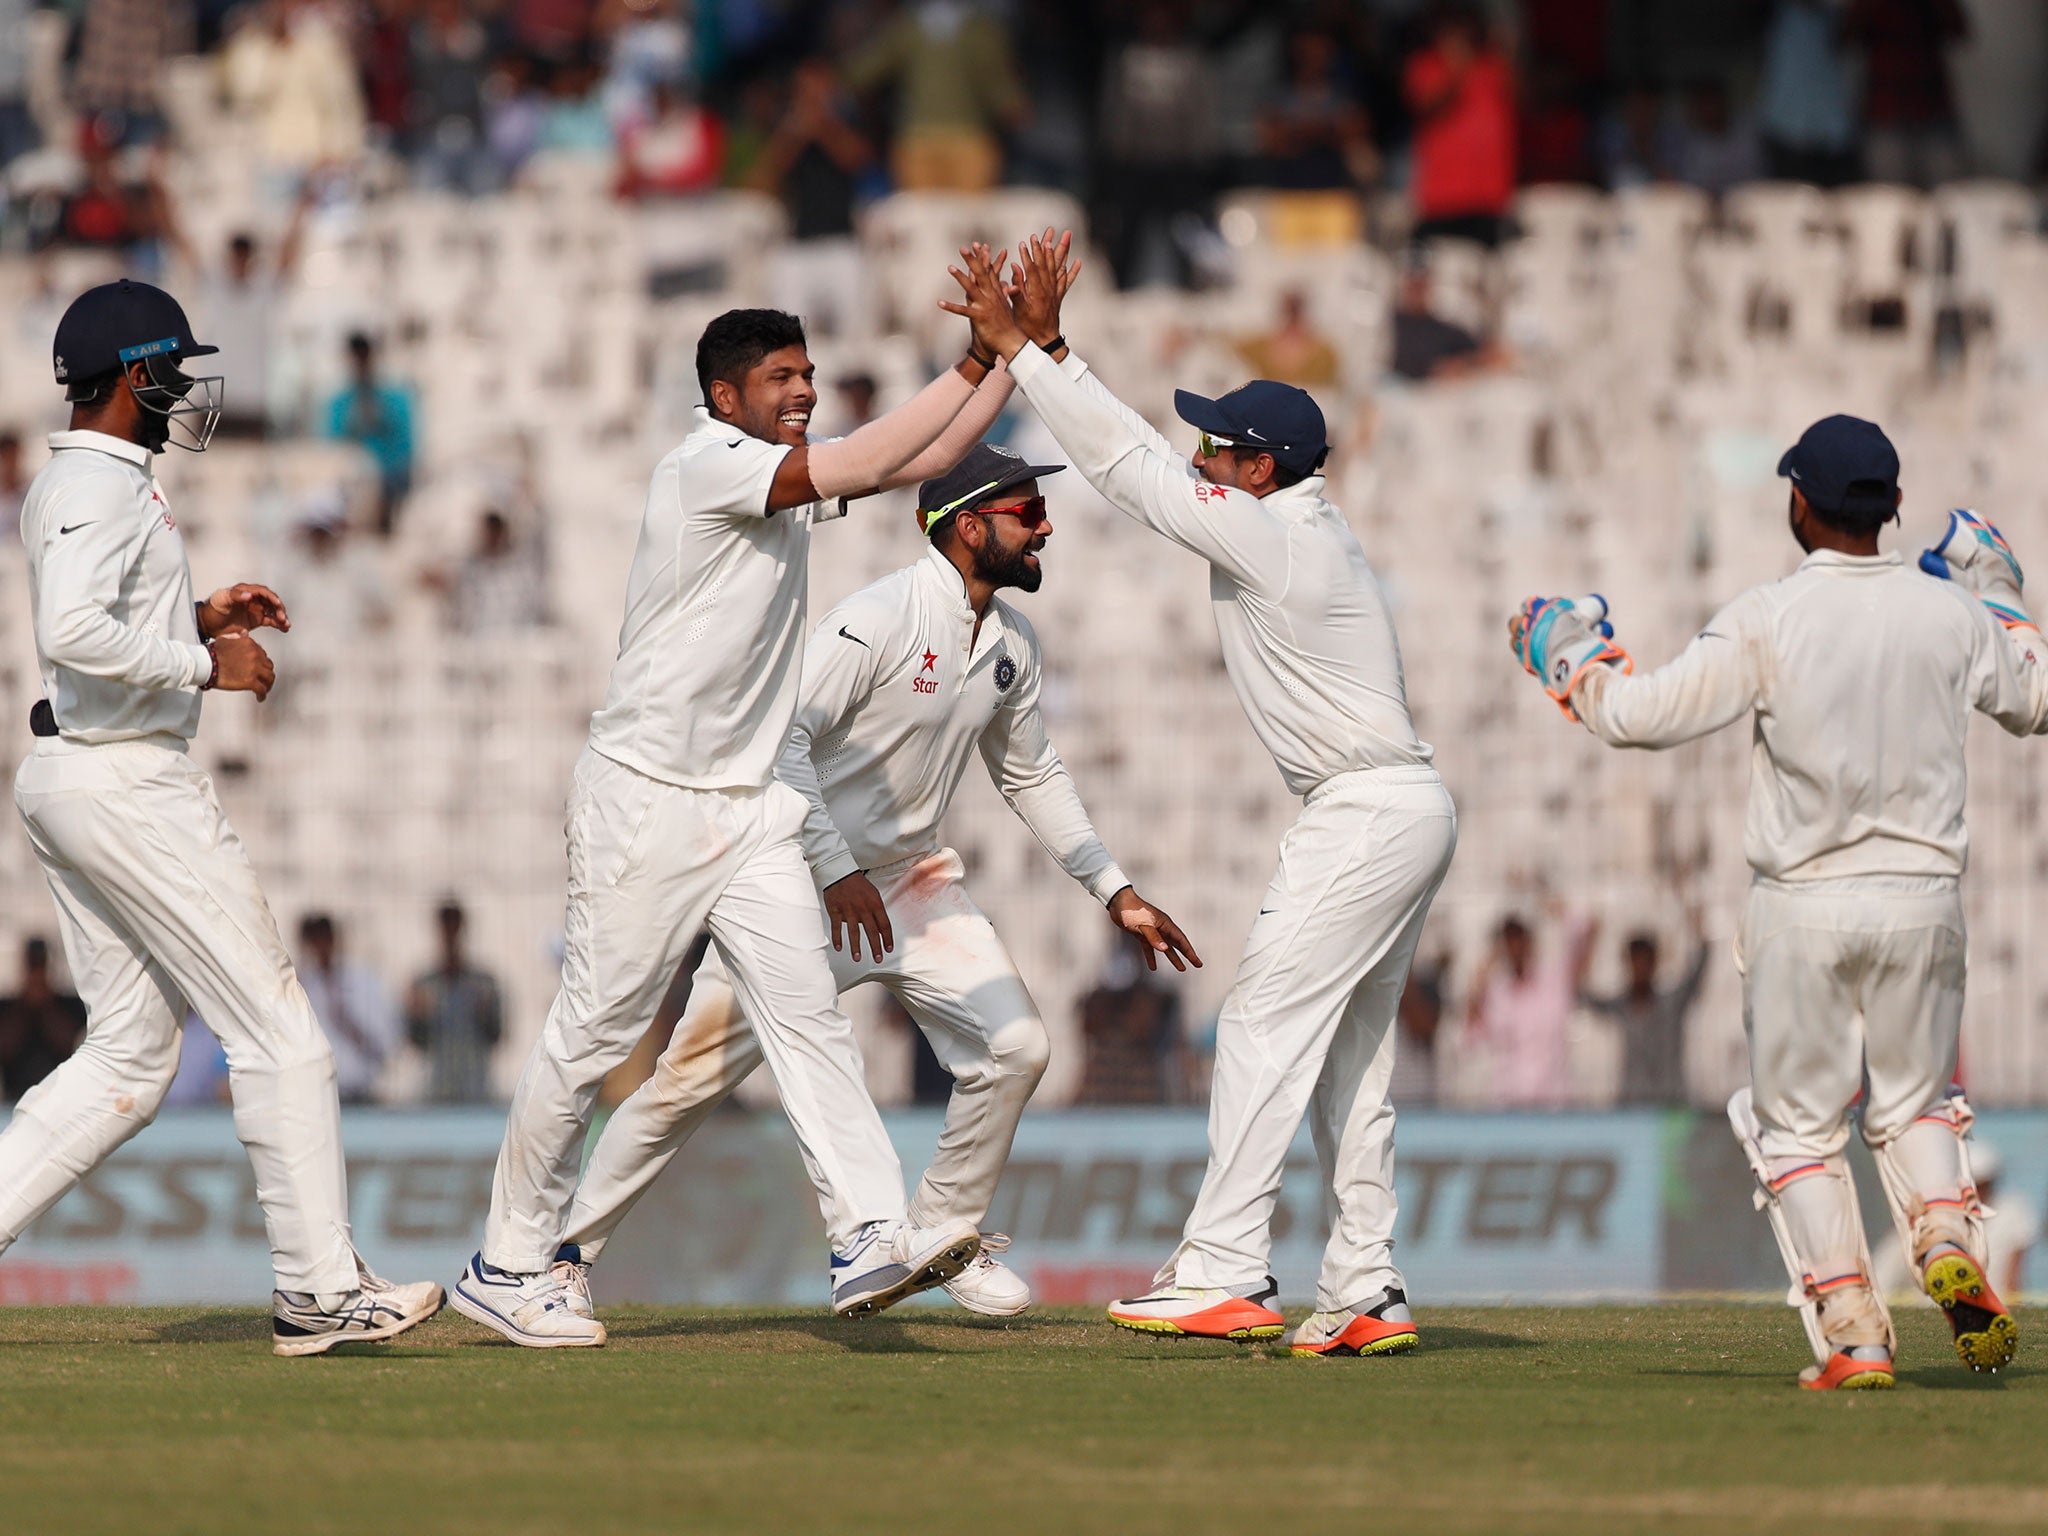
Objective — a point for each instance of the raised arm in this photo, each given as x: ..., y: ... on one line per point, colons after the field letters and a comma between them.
x: 1709, y: 685
x: 2008, y: 662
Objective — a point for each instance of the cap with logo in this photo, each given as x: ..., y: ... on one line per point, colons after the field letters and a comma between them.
x: 1843, y: 464
x: 985, y: 470
x: 1263, y: 415
x: 108, y: 327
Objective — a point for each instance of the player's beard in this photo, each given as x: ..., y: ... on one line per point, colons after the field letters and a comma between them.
x: 1008, y: 568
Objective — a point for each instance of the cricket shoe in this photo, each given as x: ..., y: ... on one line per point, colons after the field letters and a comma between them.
x: 575, y: 1279
x: 1860, y: 1368
x: 301, y: 1324
x: 1204, y: 1312
x: 1986, y: 1335
x: 539, y: 1311
x: 988, y: 1286
x: 1385, y: 1328
x: 890, y: 1260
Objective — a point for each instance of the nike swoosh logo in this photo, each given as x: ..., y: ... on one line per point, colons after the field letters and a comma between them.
x: 856, y: 639
x: 1711, y: 634
x: 76, y: 526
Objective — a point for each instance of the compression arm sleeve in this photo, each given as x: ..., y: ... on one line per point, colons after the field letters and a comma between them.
x: 866, y: 457
x: 968, y: 428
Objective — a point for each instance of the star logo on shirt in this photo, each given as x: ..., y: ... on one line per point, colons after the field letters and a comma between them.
x: 931, y: 661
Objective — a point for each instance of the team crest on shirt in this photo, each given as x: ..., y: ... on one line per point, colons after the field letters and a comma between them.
x: 1006, y: 673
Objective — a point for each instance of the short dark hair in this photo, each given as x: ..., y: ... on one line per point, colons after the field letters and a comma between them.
x: 1512, y: 926
x: 1868, y: 506
x: 360, y: 344
x: 1642, y: 942
x: 315, y: 925
x: 35, y: 954
x: 733, y: 345
x: 450, y: 913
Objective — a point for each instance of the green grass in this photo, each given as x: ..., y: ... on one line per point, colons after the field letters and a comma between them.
x: 1589, y: 1421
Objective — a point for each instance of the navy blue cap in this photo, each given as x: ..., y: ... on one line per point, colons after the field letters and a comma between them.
x: 1269, y: 417
x: 983, y: 471
x: 1844, y: 464
x: 108, y: 327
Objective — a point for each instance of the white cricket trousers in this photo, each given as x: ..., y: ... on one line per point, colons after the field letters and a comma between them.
x: 952, y: 973
x: 158, y: 907
x: 651, y: 865
x: 1843, y: 978
x: 1308, y: 1027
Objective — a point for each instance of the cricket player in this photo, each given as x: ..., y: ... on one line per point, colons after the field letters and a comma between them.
x: 1860, y: 673
x: 1310, y: 648
x: 676, y: 823
x: 902, y: 683
x: 156, y: 902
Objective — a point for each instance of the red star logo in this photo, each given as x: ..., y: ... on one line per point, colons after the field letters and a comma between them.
x: 930, y: 660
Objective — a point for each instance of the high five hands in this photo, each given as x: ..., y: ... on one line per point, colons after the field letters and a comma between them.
x: 1004, y: 315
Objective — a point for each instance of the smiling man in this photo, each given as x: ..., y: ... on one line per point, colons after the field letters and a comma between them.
x: 903, y: 682
x: 1310, y: 648
x: 677, y: 823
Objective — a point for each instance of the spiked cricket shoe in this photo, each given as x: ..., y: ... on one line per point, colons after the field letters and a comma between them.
x: 1986, y: 1336
x: 988, y: 1286
x: 891, y: 1260
x: 1385, y: 1328
x: 301, y: 1324
x: 538, y: 1311
x: 1203, y: 1312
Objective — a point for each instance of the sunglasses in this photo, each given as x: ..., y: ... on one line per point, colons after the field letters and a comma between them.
x: 1030, y: 512
x: 1211, y: 446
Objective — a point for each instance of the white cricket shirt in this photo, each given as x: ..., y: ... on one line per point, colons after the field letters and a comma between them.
x: 1861, y: 672
x: 897, y: 692
x: 1307, y: 639
x: 706, y: 678
x: 116, y: 638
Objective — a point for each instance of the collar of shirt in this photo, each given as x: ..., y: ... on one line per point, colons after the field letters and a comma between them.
x: 948, y: 587
x: 102, y: 442
x: 1834, y: 559
x: 719, y: 427
x: 1302, y: 499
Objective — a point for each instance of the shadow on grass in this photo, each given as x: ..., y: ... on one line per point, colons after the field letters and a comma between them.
x: 239, y: 1327
x: 1452, y: 1336
x: 1958, y: 1379
x: 861, y: 1336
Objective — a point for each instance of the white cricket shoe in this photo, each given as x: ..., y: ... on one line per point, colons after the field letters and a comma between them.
x: 988, y: 1286
x: 302, y: 1324
x: 575, y: 1279
x: 535, y: 1310
x: 890, y: 1260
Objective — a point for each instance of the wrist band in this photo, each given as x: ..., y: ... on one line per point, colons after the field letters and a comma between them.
x: 1054, y: 345
x: 988, y: 364
x: 213, y: 677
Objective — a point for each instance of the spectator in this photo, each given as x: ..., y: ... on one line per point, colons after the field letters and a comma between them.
x: 1715, y: 149
x: 334, y: 589
x: 13, y: 485
x: 1637, y: 143
x: 39, y: 1026
x: 1294, y: 352
x: 1418, y: 1019
x: 676, y: 150
x: 1315, y: 135
x: 575, y: 121
x: 1652, y: 1020
x: 1130, y: 1035
x: 454, y: 1013
x: 239, y: 305
x: 378, y: 417
x: 814, y: 161
x: 352, y: 1007
x: 857, y: 394
x: 1428, y: 347
x: 1461, y: 91
x: 500, y: 585
x: 956, y: 89
x: 123, y: 204
x: 447, y: 58
x: 289, y: 69
x: 122, y: 45
x: 19, y: 132
x: 1158, y: 149
x: 1520, y: 1008
x: 515, y: 111
x: 1807, y: 115
x: 1909, y: 111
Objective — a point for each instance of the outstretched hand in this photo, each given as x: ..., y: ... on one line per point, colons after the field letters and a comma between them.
x: 983, y: 303
x: 1157, y: 932
x: 244, y: 606
x: 1040, y: 279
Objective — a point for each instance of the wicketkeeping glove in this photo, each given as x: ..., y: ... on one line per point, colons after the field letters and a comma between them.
x: 1560, y: 639
x: 1974, y: 555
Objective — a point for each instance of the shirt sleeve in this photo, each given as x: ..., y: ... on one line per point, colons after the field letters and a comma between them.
x: 2009, y: 674
x: 838, y: 677
x: 730, y: 477
x: 1158, y: 489
x: 79, y: 576
x: 1710, y: 684
x: 1077, y: 369
x: 1024, y: 766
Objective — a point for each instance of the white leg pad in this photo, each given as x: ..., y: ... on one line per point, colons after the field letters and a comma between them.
x: 1811, y: 1206
x: 1928, y: 1184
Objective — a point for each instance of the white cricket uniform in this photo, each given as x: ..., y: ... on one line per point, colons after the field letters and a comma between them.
x: 1861, y: 673
x: 899, y: 691
x: 156, y: 902
x: 677, y: 823
x: 1308, y: 1024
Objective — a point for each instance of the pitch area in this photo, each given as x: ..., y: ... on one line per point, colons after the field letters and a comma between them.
x: 1670, y: 1419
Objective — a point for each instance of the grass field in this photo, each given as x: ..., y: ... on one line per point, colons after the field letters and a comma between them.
x: 1667, y: 1419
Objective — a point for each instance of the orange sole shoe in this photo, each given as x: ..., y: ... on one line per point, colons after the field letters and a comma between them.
x: 1844, y: 1373
x: 1366, y: 1336
x: 1986, y: 1335
x: 1231, y: 1318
